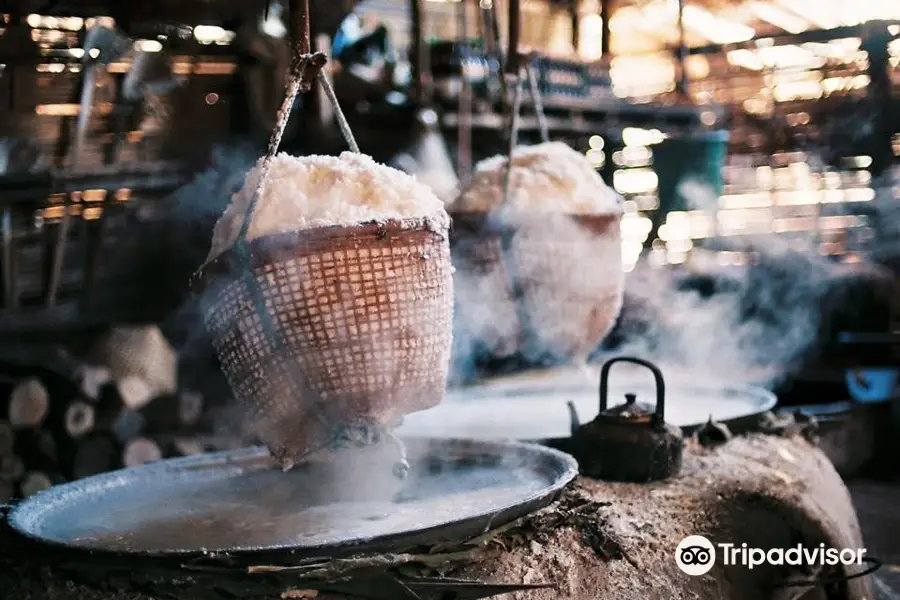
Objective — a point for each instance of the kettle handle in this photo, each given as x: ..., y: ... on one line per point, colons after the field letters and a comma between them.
x: 660, y: 414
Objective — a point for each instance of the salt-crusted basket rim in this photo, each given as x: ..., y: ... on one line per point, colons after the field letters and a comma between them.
x: 276, y: 247
x: 493, y: 222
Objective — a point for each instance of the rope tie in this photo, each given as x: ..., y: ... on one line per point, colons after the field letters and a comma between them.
x: 305, y: 68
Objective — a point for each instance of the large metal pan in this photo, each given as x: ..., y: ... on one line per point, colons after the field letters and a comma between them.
x: 240, y: 503
x: 533, y: 406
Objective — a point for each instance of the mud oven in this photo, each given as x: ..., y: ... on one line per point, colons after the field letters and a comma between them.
x: 476, y: 517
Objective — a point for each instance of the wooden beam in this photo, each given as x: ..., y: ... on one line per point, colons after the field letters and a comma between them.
x: 811, y: 36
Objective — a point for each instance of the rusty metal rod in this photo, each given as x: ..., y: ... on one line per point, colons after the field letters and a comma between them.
x: 299, y: 26
x: 515, y: 24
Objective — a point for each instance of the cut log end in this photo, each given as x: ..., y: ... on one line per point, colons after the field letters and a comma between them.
x: 140, y: 451
x: 190, y: 408
x: 173, y: 412
x: 127, y: 425
x: 79, y: 419
x: 134, y: 392
x: 29, y: 404
x: 91, y: 380
x: 187, y: 447
x: 38, y: 449
x: 34, y: 482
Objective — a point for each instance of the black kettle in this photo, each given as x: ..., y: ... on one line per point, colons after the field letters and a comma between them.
x: 630, y: 442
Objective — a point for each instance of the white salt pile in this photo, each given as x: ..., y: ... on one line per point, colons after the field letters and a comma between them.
x: 319, y: 191
x: 548, y: 177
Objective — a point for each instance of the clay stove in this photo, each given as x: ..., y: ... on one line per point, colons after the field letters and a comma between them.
x: 516, y: 530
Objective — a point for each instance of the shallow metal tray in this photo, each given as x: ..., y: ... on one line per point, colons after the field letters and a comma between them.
x: 240, y: 503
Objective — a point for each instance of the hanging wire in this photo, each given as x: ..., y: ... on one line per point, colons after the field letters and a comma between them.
x: 513, y: 136
x: 537, y: 100
x: 464, y: 105
x: 515, y: 119
x: 305, y: 68
x: 338, y: 113
x: 281, y: 121
x: 506, y: 238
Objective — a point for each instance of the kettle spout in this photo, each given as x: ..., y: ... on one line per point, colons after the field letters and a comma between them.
x: 574, y: 421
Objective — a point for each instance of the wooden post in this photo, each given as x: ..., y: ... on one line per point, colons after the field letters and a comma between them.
x: 417, y: 49
x: 875, y: 43
x: 515, y: 24
x: 576, y: 24
x: 605, y: 13
x: 682, y: 86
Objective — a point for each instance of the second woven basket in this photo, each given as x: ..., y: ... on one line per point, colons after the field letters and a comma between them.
x: 551, y: 283
x: 364, y: 316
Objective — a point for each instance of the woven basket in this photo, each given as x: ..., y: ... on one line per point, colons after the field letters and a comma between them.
x: 140, y: 352
x: 365, y: 318
x: 557, y: 290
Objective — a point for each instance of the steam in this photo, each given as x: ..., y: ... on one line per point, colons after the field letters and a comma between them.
x: 757, y: 323
x: 698, y: 194
x: 885, y: 220
x: 429, y: 160
x: 571, y: 290
x: 749, y: 326
x: 185, y: 236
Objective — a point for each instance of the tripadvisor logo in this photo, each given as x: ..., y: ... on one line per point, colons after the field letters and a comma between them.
x: 696, y: 555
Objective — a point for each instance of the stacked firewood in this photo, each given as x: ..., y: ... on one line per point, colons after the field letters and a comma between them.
x: 69, y: 419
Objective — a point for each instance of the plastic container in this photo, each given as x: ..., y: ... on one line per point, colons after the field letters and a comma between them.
x: 869, y: 386
x: 697, y: 158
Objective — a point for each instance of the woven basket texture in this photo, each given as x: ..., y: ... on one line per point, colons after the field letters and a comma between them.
x: 364, y: 315
x: 552, y: 284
